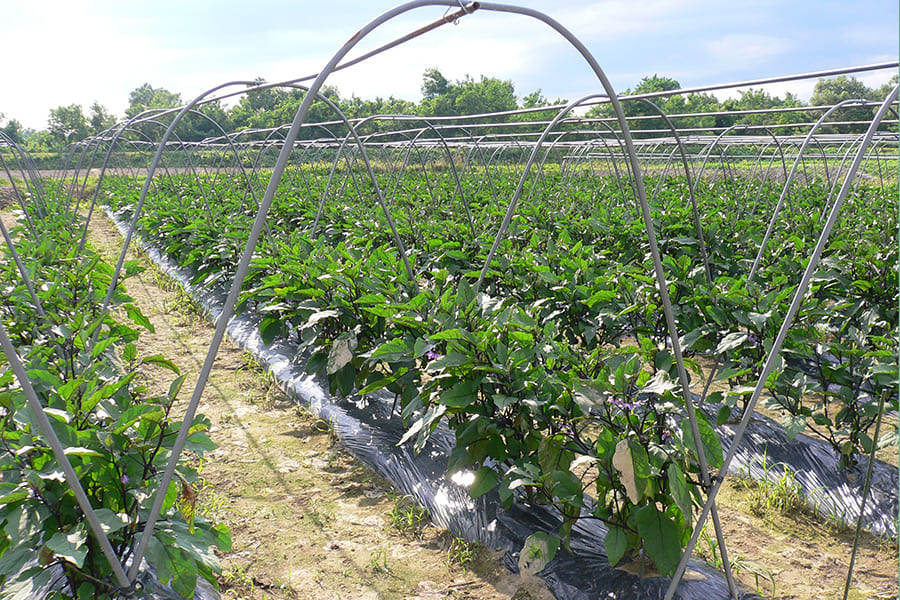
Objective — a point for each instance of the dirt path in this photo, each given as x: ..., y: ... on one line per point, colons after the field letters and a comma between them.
x: 307, y: 520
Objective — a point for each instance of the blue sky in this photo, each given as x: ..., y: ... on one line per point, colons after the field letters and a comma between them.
x: 79, y: 51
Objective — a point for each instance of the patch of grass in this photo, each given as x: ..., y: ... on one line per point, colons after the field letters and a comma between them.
x: 462, y: 553
x: 378, y: 561
x: 774, y: 493
x: 210, y: 503
x: 318, y: 513
x: 408, y: 517
x: 237, y: 579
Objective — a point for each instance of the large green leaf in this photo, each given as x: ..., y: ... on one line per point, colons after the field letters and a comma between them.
x: 678, y: 486
x: 462, y: 394
x: 70, y: 546
x: 135, y: 314
x: 661, y: 537
x: 712, y: 446
x: 174, y: 566
x: 395, y: 349
x: 485, y: 481
x: 616, y: 542
x: 537, y: 552
x: 12, y: 492
x: 731, y: 341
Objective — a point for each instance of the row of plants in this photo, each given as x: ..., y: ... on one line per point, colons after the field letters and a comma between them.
x: 92, y: 382
x: 555, y: 375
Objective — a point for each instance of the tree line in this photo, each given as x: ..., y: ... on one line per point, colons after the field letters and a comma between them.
x: 272, y: 107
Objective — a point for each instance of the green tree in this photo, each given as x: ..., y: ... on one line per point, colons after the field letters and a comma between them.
x: 276, y: 106
x: 440, y: 97
x: 886, y: 89
x: 640, y: 114
x: 12, y: 130
x: 829, y: 92
x: 67, y: 124
x: 147, y: 97
x: 100, y: 118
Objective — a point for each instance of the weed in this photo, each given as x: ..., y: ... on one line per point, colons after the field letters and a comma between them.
x: 772, y: 493
x: 408, y: 517
x: 462, y: 553
x: 326, y: 426
x: 211, y: 503
x: 760, y: 574
x: 236, y: 578
x: 378, y: 561
x: 183, y: 304
x: 317, y: 514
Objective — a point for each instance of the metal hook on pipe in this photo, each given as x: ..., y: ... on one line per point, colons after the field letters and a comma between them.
x: 464, y: 9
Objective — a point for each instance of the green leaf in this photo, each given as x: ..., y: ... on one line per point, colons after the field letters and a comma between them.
x: 80, y: 451
x: 460, y: 395
x: 129, y: 352
x: 70, y: 546
x: 567, y: 487
x: 161, y: 361
x: 712, y: 446
x: 135, y: 314
x: 601, y: 296
x: 659, y: 384
x: 174, y: 567
x: 661, y: 538
x: 269, y: 329
x: 451, y: 359
x: 678, y: 486
x: 485, y: 481
x: 616, y: 542
x: 454, y: 334
x: 731, y: 341
x: 135, y: 414
x: 392, y: 350
x: 552, y: 455
x: 107, y: 391
x: 12, y: 492
x: 341, y: 352
x: 26, y: 583
x: 175, y: 387
x: 723, y: 415
x: 111, y: 521
x: 101, y: 346
x: 537, y: 552
x: 793, y: 425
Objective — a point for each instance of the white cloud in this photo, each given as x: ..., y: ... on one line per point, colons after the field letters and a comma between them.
x: 742, y: 50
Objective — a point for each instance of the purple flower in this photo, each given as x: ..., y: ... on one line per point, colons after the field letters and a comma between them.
x: 627, y: 406
x: 124, y: 479
x: 432, y: 355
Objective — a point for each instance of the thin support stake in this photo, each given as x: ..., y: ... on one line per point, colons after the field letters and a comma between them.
x: 865, y: 494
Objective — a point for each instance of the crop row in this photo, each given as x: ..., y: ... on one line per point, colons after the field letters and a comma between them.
x: 85, y: 367
x: 554, y: 371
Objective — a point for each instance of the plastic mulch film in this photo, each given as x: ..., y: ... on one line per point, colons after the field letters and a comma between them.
x: 368, y: 429
x: 147, y: 587
x: 766, y: 453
